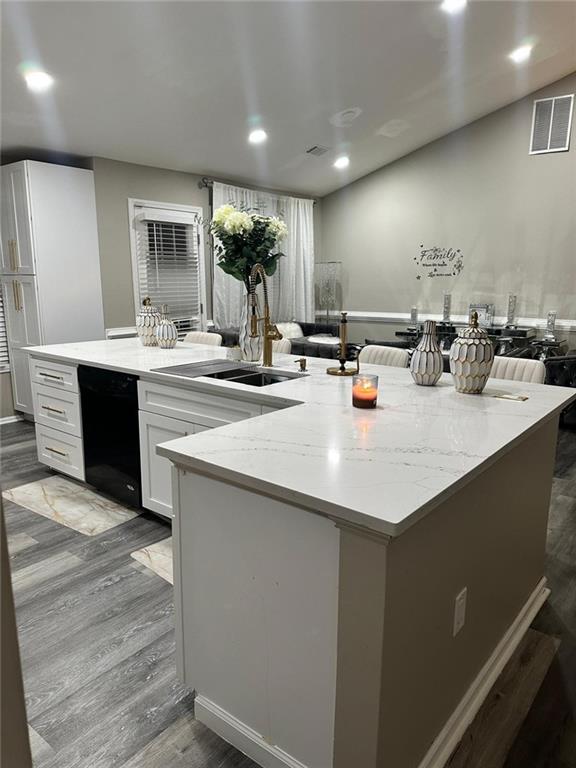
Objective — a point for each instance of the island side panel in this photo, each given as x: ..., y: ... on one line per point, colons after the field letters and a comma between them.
x: 361, y: 613
x: 258, y: 598
x: 490, y: 537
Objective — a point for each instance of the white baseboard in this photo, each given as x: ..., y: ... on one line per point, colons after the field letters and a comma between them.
x: 10, y: 419
x: 452, y: 733
x: 242, y: 736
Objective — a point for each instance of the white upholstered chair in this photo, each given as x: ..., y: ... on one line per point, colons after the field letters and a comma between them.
x: 199, y: 337
x: 290, y: 330
x: 377, y: 355
x: 518, y: 369
x: 282, y: 346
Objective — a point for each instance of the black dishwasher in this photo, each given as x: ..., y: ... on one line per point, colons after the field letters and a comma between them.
x: 110, y: 432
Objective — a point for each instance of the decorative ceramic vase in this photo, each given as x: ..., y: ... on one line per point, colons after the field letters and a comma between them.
x: 250, y: 348
x: 166, y: 331
x: 427, y: 364
x: 146, y: 322
x: 471, y: 358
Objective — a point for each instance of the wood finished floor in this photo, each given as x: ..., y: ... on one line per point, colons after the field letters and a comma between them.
x: 97, y: 639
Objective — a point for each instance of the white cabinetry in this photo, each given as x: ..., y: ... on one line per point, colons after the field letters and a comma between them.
x: 58, y: 416
x: 49, y: 261
x: 168, y: 412
x: 156, y: 470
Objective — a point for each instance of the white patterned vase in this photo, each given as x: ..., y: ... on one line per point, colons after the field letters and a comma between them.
x: 471, y: 358
x: 426, y: 363
x: 250, y: 348
x: 146, y: 321
x: 166, y: 331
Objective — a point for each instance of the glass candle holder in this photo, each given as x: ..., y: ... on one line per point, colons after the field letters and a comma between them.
x: 364, y: 390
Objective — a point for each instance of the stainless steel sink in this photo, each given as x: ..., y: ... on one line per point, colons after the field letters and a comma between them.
x: 257, y: 378
x: 241, y: 373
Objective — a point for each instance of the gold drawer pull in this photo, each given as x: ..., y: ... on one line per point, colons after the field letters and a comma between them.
x: 53, y: 410
x: 55, y: 450
x: 51, y: 376
x: 15, y: 292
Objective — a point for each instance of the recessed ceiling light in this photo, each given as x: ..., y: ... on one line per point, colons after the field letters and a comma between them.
x: 453, y: 6
x: 345, y: 118
x: 38, y: 81
x: 521, y: 54
x: 258, y: 136
x: 342, y: 162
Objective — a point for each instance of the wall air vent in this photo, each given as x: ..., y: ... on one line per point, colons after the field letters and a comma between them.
x: 551, y: 123
x: 317, y: 150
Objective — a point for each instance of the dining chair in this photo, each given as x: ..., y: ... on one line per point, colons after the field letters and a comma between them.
x: 518, y: 369
x: 200, y: 337
x: 378, y: 355
x: 282, y: 346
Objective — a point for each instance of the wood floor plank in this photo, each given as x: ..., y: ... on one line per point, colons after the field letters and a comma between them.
x: 489, y: 738
x: 41, y: 750
x: 188, y: 744
x: 81, y: 656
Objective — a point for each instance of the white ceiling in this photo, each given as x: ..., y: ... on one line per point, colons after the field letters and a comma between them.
x: 178, y: 85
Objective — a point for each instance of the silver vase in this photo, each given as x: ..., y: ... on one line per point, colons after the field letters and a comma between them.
x: 427, y: 364
x: 250, y: 348
x: 471, y: 358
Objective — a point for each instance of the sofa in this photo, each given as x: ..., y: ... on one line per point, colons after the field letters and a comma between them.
x: 298, y: 334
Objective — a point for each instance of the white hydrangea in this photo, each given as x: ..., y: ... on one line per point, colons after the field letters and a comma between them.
x: 222, y: 213
x: 238, y: 222
x: 277, y: 226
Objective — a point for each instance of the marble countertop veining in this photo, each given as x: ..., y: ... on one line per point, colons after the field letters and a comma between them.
x: 383, y: 469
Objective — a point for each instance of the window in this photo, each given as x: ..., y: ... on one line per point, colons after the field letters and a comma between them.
x: 4, y: 359
x: 167, y: 259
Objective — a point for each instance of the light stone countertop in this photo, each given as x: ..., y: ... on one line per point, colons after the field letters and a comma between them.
x: 383, y: 469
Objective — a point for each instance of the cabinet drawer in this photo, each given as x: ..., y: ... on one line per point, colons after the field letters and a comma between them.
x: 60, y: 451
x: 60, y: 410
x: 64, y: 377
x: 193, y: 406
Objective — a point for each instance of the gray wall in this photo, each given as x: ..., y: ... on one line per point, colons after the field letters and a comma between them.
x: 115, y: 182
x: 513, y: 216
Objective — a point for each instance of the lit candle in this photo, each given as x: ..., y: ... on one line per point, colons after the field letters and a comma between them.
x: 364, y: 390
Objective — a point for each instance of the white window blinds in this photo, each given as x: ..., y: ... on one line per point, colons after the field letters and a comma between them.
x: 168, y: 264
x: 4, y: 359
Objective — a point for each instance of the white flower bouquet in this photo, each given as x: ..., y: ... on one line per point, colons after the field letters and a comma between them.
x: 243, y: 239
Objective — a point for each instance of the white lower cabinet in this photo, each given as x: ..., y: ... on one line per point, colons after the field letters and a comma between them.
x: 156, y: 470
x: 21, y: 386
x: 60, y: 451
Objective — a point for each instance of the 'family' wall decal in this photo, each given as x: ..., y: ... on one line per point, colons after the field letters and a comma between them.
x: 439, y: 262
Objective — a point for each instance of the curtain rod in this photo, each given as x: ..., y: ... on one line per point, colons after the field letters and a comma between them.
x: 207, y: 183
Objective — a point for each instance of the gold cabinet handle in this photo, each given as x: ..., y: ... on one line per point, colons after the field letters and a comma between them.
x: 50, y: 376
x: 12, y: 254
x: 55, y: 450
x: 52, y: 410
x: 17, y: 291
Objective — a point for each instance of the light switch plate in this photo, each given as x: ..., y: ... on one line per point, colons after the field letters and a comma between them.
x: 460, y: 611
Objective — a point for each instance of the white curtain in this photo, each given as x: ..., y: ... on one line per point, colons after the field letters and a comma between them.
x: 291, y: 288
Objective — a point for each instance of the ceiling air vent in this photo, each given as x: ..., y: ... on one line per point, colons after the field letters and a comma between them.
x: 317, y: 150
x: 551, y: 123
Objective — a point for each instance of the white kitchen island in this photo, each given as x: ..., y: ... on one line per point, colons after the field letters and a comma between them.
x: 350, y: 583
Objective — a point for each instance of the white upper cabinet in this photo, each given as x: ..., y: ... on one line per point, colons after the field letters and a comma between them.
x: 17, y: 243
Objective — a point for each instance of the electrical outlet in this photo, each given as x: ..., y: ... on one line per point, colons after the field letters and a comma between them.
x: 459, y: 611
